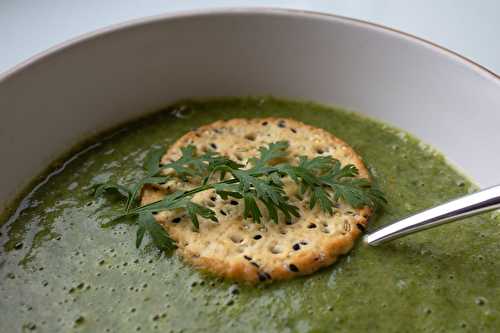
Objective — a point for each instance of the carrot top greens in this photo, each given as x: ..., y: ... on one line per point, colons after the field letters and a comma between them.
x: 322, y: 178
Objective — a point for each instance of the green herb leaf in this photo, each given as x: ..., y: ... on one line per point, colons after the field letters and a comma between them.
x: 267, y: 189
x: 152, y: 161
x: 172, y: 201
x: 251, y: 208
x: 194, y: 210
x: 157, y: 233
x: 188, y: 165
x: 270, y: 154
x: 121, y: 219
x: 322, y: 173
x: 134, y: 192
x: 141, y: 230
x: 271, y: 210
x: 100, y: 189
x: 227, y: 190
x: 320, y: 195
x: 219, y: 164
x: 325, y: 180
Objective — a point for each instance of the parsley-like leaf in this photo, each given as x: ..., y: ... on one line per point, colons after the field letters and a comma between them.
x: 159, y: 236
x: 269, y: 154
x: 100, y: 189
x: 141, y: 230
x: 134, y: 192
x: 323, y: 178
x: 227, y: 190
x: 187, y: 165
x: 152, y: 161
x: 194, y: 210
x: 251, y: 208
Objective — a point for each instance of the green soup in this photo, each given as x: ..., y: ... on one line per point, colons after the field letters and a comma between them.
x: 59, y: 271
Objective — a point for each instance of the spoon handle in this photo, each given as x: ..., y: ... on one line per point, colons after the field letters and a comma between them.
x: 472, y: 204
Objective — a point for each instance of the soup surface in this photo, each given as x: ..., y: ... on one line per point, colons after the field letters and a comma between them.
x: 60, y: 271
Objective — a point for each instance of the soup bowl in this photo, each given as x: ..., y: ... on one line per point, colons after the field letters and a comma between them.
x: 104, y: 78
x: 99, y: 80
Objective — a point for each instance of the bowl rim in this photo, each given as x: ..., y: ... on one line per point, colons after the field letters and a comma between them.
x: 276, y: 11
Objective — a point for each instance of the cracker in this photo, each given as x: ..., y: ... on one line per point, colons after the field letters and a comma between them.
x: 236, y: 248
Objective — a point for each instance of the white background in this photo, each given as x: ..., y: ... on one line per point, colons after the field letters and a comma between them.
x: 469, y: 27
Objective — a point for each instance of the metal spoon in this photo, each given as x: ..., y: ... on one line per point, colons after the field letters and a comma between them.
x: 472, y: 204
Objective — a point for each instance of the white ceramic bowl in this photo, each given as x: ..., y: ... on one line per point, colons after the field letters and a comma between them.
x: 102, y: 79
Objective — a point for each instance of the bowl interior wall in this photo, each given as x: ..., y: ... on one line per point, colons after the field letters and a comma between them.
x: 105, y: 79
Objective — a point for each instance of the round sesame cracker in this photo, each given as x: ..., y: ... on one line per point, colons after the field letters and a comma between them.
x: 237, y: 248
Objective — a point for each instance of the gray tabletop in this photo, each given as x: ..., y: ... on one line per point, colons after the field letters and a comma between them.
x: 469, y: 27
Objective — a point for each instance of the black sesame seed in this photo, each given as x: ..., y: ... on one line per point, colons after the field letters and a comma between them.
x: 213, y: 145
x: 247, y: 257
x: 296, y: 246
x: 303, y: 243
x: 255, y: 264
x: 264, y: 123
x: 257, y: 237
x: 223, y: 212
x: 311, y: 226
x: 293, y: 268
x: 234, y: 202
x: 176, y: 220
x: 281, y: 124
x: 293, y: 130
x: 31, y: 326
x: 361, y: 227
